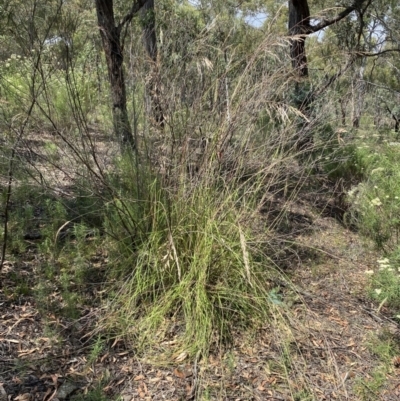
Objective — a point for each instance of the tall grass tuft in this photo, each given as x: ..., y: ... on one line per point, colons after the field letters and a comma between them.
x: 185, y: 222
x: 195, y: 279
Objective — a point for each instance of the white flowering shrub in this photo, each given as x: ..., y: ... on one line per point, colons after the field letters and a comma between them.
x: 385, y: 284
x: 375, y: 203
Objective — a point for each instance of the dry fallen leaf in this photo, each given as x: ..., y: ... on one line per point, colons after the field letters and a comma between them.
x: 3, y: 394
x: 179, y: 373
x: 28, y: 352
x: 142, y: 390
x: 182, y: 356
x: 182, y: 373
x: 189, y: 391
x: 23, y: 397
x: 49, y: 395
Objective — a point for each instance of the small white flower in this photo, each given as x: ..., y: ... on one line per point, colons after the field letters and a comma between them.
x: 378, y: 291
x: 353, y: 191
x: 369, y: 272
x: 384, y: 264
x: 376, y: 202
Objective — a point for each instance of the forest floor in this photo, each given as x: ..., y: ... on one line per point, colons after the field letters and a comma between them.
x: 335, y: 349
x: 326, y: 340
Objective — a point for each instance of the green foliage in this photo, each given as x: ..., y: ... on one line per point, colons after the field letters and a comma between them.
x: 303, y: 395
x: 376, y: 210
x: 385, y: 283
x: 58, y: 92
x: 384, y: 348
x: 347, y: 162
x: 96, y: 350
x: 368, y: 389
x: 376, y: 201
x: 96, y: 394
x: 195, y: 269
x: 184, y: 266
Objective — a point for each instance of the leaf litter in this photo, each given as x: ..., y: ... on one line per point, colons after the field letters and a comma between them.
x: 321, y: 353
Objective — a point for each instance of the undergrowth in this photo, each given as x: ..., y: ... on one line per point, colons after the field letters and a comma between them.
x: 375, y: 207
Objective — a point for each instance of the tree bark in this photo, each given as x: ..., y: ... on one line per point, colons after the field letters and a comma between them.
x: 113, y: 50
x: 150, y: 43
x: 359, y: 95
x: 300, y: 27
x: 299, y: 23
x: 395, y: 118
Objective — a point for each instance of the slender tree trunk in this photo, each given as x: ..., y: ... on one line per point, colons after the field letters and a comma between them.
x: 150, y: 43
x: 299, y: 23
x: 113, y: 50
x: 299, y: 26
x: 396, y: 124
x: 396, y: 120
x: 343, y: 111
x: 359, y: 95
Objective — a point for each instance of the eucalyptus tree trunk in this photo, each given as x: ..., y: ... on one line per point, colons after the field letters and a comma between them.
x: 299, y: 28
x: 358, y: 96
x: 150, y: 42
x: 299, y: 24
x: 113, y: 50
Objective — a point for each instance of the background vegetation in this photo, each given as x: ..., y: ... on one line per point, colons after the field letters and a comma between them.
x: 152, y: 152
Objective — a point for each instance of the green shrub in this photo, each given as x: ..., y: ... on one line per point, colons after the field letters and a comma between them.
x: 348, y: 162
x: 376, y: 211
x: 385, y: 283
x: 376, y: 201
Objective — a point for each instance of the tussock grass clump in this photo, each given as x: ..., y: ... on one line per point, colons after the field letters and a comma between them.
x: 195, y: 280
x: 186, y: 205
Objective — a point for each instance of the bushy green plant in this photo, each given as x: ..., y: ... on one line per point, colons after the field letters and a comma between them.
x: 376, y: 201
x: 343, y: 162
x: 384, y: 348
x: 195, y: 265
x: 385, y: 283
x: 24, y: 219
